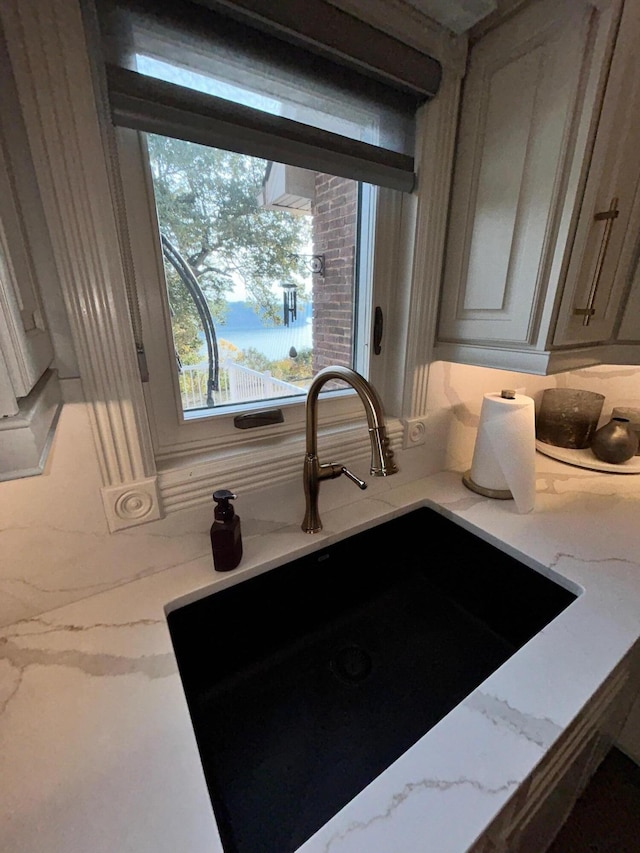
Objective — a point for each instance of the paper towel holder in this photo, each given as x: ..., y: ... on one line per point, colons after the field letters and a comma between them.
x: 498, y: 494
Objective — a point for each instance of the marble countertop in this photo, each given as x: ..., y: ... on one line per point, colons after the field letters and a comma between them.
x: 97, y: 752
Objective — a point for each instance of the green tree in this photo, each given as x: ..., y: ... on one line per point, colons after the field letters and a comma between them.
x: 206, y: 201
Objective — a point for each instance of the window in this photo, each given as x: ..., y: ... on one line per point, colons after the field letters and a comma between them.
x: 258, y: 275
x: 233, y: 145
x: 259, y: 262
x: 250, y: 179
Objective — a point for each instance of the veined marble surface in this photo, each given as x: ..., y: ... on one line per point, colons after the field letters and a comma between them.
x: 97, y: 752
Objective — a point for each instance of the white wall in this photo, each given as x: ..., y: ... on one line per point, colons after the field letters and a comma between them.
x: 54, y: 543
x: 456, y: 391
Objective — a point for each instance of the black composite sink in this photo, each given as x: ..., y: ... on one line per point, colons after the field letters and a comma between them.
x: 306, y: 682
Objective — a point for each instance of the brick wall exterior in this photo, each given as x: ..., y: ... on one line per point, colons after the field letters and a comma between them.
x: 334, y: 236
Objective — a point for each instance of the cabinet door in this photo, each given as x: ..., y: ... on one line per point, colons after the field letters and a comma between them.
x: 598, y: 273
x: 630, y: 326
x: 628, y: 275
x: 24, y: 341
x: 533, y: 87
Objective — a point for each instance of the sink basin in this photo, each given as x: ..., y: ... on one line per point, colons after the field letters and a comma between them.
x: 308, y: 681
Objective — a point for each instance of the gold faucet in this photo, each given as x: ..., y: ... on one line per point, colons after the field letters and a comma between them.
x: 382, y: 464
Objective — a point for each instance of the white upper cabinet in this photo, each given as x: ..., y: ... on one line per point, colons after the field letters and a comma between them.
x: 544, y: 209
x: 29, y: 389
x: 25, y: 344
x: 627, y: 276
x: 630, y: 326
x: 609, y: 225
x: 29, y: 393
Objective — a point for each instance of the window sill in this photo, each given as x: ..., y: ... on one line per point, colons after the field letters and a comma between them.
x: 26, y: 437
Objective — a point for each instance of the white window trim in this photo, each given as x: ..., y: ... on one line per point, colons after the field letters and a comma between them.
x: 66, y: 112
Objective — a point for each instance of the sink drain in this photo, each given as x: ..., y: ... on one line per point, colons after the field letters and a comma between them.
x: 351, y: 664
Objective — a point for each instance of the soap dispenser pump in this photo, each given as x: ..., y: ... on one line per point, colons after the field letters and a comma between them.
x: 226, y: 538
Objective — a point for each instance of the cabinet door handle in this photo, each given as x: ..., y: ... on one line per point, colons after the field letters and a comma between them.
x: 608, y: 216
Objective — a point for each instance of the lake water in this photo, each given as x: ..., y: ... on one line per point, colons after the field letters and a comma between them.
x: 272, y: 343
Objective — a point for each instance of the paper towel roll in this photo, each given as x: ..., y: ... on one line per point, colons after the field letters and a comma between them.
x: 505, y: 448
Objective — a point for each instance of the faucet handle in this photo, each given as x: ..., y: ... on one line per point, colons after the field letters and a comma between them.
x: 359, y: 483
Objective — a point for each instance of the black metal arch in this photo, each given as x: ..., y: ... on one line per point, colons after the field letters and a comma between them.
x: 188, y: 277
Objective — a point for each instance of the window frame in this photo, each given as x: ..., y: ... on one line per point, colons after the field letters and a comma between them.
x: 174, y: 432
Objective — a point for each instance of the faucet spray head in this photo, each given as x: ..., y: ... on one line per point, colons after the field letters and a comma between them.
x: 382, y: 464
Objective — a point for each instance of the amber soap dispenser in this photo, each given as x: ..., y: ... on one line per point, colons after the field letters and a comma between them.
x: 226, y: 538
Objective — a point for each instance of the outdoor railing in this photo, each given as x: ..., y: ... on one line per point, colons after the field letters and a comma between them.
x: 238, y: 384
